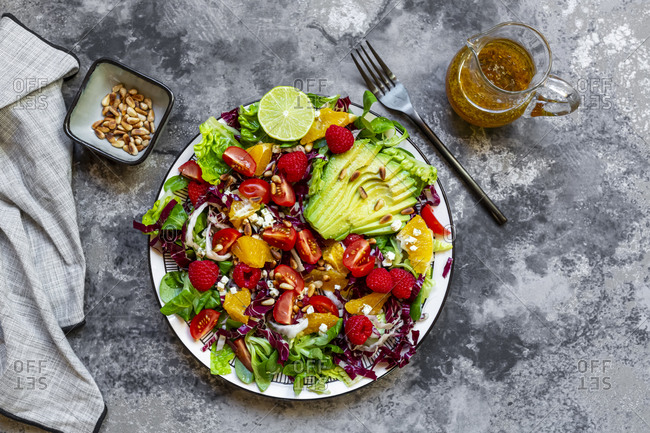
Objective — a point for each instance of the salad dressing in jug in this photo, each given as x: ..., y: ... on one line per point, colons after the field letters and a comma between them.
x: 494, y: 78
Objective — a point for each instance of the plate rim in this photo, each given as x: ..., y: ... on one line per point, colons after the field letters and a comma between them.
x: 349, y: 390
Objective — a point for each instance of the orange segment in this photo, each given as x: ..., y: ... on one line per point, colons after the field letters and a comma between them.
x: 235, y: 304
x: 325, y: 119
x: 254, y: 252
x: 316, y: 319
x: 417, y: 240
x: 335, y: 279
x: 240, y: 210
x: 375, y: 300
x: 261, y: 154
x: 334, y: 256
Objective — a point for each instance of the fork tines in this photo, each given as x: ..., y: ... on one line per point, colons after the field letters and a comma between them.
x: 384, y: 79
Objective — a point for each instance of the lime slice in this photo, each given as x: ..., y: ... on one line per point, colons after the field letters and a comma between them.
x: 285, y: 113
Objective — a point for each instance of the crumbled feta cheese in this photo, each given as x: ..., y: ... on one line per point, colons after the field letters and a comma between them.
x: 366, y: 309
x: 310, y: 310
x: 413, y: 247
x: 220, y: 286
x: 274, y: 292
x: 396, y: 225
x: 328, y: 267
x: 233, y: 290
x: 267, y: 220
x: 417, y: 232
x: 264, y: 274
x: 224, y: 279
x: 410, y: 240
x: 389, y: 255
x: 322, y: 328
x: 337, y: 287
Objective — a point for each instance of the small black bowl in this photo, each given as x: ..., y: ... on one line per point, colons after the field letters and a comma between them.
x: 86, y: 107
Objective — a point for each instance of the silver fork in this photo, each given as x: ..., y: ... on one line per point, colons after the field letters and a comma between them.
x: 393, y: 95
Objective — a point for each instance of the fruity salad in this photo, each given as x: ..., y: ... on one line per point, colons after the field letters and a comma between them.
x: 304, y: 237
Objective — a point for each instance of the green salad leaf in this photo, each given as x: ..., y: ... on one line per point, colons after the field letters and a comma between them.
x: 220, y: 359
x: 181, y: 298
x: 322, y: 101
x: 172, y: 284
x: 217, y: 137
x: 264, y: 359
x: 243, y: 373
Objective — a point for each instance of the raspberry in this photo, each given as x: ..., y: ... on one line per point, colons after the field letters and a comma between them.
x: 403, y: 282
x: 358, y: 329
x: 293, y: 165
x: 196, y: 190
x: 351, y: 238
x: 203, y: 274
x: 245, y: 276
x: 339, y: 139
x: 379, y: 280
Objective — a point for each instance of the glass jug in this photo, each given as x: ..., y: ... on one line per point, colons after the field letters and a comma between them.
x: 504, y: 73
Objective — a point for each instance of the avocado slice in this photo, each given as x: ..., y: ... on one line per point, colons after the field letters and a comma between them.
x: 339, y: 208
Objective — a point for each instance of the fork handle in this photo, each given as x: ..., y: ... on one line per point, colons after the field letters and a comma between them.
x: 478, y: 192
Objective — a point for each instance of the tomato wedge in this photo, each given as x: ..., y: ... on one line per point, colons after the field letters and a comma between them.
x: 282, y: 192
x: 239, y: 160
x: 280, y: 236
x: 225, y: 238
x: 283, y: 274
x: 203, y: 323
x: 308, y: 248
x: 357, y: 258
x: 256, y: 190
x: 241, y: 352
x: 432, y: 221
x: 323, y: 304
x: 191, y: 170
x: 283, y: 308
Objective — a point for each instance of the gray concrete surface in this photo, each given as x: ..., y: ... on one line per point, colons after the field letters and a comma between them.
x: 546, y: 327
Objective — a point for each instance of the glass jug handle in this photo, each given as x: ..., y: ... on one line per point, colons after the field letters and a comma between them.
x: 565, y: 99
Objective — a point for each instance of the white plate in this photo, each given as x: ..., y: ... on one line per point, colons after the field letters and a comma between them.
x: 281, y: 387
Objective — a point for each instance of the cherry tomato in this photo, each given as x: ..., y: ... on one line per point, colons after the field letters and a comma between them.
x: 323, y: 304
x: 225, y: 238
x: 308, y: 248
x: 239, y: 160
x: 283, y: 308
x: 357, y: 258
x: 203, y: 323
x: 241, y: 352
x: 284, y: 274
x: 256, y: 190
x: 280, y: 236
x: 283, y: 195
x: 432, y: 221
x: 191, y: 170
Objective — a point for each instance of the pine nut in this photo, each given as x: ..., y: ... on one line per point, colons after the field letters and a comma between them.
x: 385, y: 219
x: 343, y: 174
x: 286, y: 286
x: 363, y: 193
x: 407, y: 211
x: 326, y: 278
x: 268, y: 302
x: 355, y: 175
x: 382, y: 172
x: 380, y: 204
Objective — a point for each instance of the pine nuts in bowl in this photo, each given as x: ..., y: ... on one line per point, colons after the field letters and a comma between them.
x: 118, y: 112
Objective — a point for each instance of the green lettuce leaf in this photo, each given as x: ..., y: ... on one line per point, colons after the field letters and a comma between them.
x: 321, y: 101
x: 217, y: 137
x: 264, y: 359
x: 220, y: 359
x: 251, y: 131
